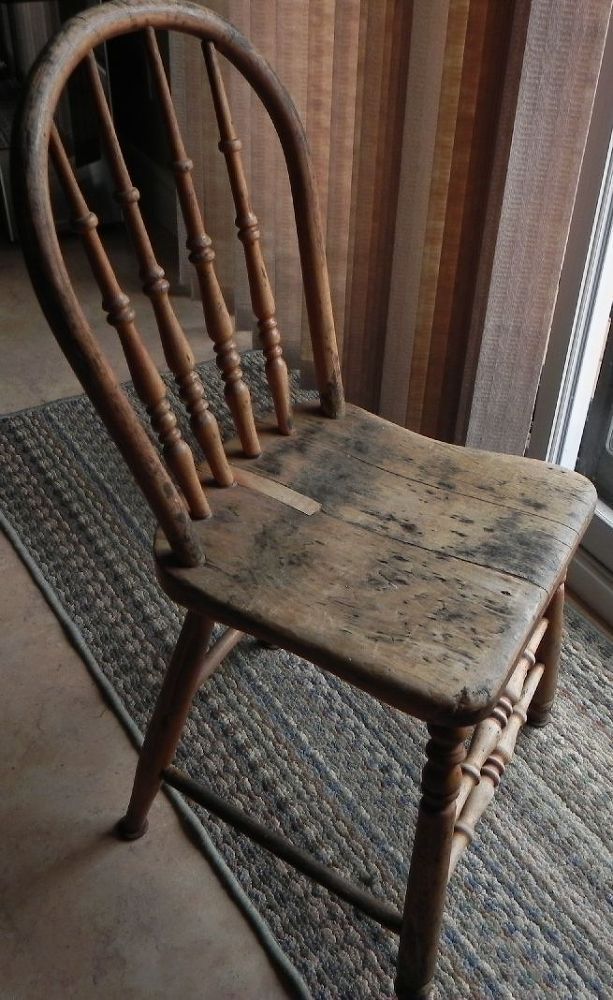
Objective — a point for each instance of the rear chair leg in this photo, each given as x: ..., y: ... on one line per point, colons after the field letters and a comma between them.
x: 548, y: 654
x: 427, y: 883
x: 186, y: 671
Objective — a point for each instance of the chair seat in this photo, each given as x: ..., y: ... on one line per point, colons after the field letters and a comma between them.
x: 414, y: 569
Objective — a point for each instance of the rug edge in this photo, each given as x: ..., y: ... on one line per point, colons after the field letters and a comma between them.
x: 197, y: 831
x: 124, y: 384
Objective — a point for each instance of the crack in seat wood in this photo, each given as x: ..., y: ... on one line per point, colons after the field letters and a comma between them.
x: 429, y: 575
x: 420, y: 579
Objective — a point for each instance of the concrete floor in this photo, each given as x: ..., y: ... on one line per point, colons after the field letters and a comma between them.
x: 82, y: 915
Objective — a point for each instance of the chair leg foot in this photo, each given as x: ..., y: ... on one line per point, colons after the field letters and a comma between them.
x: 539, y: 718
x: 421, y: 994
x: 124, y: 830
x: 427, y: 883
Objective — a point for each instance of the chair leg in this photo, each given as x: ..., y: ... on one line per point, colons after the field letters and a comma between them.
x: 548, y: 653
x: 427, y: 882
x: 186, y: 671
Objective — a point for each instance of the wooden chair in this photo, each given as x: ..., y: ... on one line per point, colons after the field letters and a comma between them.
x: 428, y: 575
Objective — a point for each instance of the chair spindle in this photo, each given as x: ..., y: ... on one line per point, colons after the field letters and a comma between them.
x: 147, y: 380
x: 493, y: 769
x: 218, y: 321
x: 487, y: 733
x: 262, y: 298
x: 177, y: 350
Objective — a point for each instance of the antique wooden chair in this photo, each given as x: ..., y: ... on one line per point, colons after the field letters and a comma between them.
x: 428, y: 575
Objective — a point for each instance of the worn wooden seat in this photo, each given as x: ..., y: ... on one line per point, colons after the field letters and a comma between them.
x: 425, y: 566
x: 429, y: 575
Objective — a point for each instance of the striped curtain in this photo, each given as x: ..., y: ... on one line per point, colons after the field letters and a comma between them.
x: 344, y: 62
x: 456, y: 77
x: 411, y: 108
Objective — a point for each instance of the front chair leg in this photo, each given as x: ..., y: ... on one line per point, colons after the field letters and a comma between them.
x: 186, y: 671
x: 548, y: 654
x: 427, y: 883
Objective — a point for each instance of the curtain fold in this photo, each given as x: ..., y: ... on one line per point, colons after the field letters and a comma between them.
x: 457, y: 76
x: 384, y: 50
x: 340, y: 166
x: 427, y: 345
x: 481, y: 84
x: 536, y: 176
x: 344, y: 63
x: 292, y: 65
x: 418, y: 132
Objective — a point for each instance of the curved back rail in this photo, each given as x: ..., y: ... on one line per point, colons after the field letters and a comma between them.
x: 36, y: 141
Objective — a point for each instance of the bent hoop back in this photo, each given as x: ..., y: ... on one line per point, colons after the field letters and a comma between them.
x: 169, y: 481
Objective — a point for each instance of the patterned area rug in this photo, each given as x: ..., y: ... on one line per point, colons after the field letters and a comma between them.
x: 527, y: 913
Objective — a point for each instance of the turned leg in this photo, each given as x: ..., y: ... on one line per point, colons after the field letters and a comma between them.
x: 186, y: 671
x: 427, y: 883
x: 549, y: 655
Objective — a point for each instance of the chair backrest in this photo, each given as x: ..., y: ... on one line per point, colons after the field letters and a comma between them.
x: 37, y: 142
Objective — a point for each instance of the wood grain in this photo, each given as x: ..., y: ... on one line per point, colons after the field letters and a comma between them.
x: 270, y: 488
x: 499, y: 510
x: 408, y: 605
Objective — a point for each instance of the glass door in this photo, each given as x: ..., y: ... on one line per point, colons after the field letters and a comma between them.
x: 573, y: 419
x: 596, y: 452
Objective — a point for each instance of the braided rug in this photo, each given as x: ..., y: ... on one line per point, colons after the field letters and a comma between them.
x: 330, y: 767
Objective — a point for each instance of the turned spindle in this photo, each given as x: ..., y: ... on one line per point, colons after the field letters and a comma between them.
x: 217, y: 318
x: 487, y: 733
x: 549, y: 655
x: 493, y: 769
x: 262, y: 298
x: 145, y: 376
x: 427, y: 882
x: 177, y: 350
